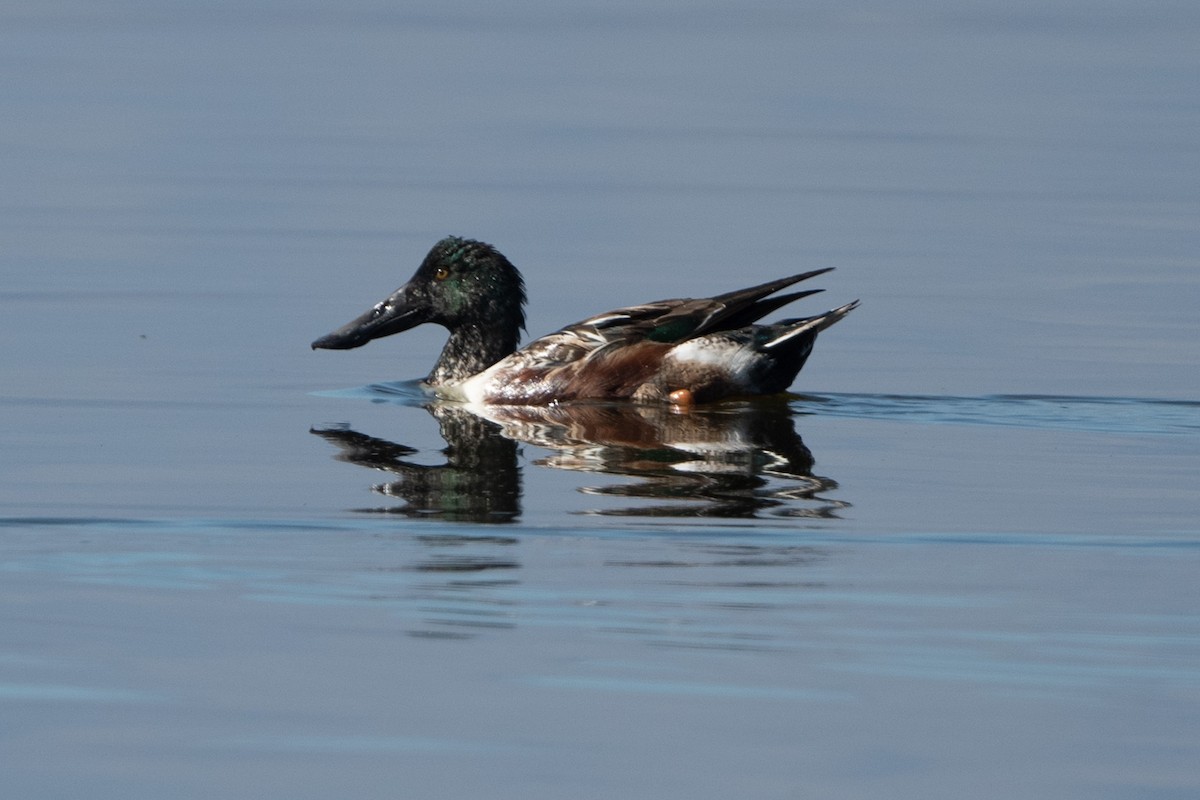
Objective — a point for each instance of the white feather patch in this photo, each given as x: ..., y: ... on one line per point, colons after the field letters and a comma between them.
x: 730, y: 357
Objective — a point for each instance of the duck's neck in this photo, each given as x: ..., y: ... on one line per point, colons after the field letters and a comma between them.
x: 470, y: 350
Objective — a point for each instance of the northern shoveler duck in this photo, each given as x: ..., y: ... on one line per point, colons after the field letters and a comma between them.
x: 683, y: 351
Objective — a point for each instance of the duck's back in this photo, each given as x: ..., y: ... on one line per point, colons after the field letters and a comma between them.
x: 699, y: 349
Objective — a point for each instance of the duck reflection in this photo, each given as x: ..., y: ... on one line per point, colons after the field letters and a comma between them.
x: 480, y: 481
x: 741, y: 460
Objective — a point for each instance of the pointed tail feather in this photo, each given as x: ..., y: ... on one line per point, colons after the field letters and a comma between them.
x: 812, y: 325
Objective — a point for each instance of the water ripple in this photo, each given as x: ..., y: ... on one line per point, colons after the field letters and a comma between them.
x: 1120, y: 415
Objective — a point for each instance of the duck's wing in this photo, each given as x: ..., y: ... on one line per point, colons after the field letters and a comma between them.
x: 687, y: 319
x: 670, y: 321
x: 612, y: 354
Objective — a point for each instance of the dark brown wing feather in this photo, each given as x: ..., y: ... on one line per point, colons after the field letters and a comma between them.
x: 680, y: 319
x: 613, y: 354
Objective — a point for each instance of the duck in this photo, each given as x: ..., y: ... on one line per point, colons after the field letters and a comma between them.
x: 683, y: 351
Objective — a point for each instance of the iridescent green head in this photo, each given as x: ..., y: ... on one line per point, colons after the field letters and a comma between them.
x: 465, y: 282
x: 466, y: 286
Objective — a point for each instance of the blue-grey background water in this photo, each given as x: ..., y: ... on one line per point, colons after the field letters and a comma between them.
x: 962, y: 561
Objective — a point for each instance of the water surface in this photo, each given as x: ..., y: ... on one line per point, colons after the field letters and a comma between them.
x: 234, y: 567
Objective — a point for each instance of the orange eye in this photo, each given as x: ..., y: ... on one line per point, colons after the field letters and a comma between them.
x: 441, y: 274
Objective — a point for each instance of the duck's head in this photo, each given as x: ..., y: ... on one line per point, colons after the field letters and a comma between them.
x: 463, y: 285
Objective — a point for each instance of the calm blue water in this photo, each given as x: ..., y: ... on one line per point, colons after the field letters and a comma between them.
x: 959, y: 561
